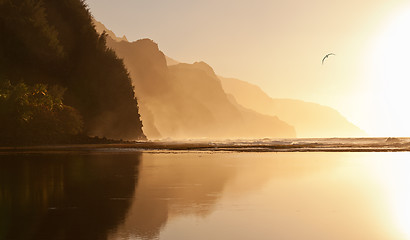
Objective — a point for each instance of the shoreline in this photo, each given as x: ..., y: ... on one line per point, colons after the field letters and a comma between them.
x: 257, y: 145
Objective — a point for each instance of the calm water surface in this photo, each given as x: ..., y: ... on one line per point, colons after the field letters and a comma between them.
x: 204, y: 195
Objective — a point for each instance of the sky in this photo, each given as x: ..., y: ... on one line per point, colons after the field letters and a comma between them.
x: 279, y: 45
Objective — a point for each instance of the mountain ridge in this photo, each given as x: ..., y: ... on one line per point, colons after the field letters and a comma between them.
x: 318, y: 120
x: 189, y: 96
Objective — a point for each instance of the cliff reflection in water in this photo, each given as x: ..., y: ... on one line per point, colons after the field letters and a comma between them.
x: 65, y: 196
x: 204, y: 195
x: 260, y: 196
x: 196, y: 185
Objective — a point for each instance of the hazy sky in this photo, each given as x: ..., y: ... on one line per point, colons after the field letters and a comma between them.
x: 279, y: 45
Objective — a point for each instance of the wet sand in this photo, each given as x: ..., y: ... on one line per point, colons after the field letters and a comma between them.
x: 258, y: 145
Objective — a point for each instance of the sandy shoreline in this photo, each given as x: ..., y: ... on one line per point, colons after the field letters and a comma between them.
x: 258, y: 145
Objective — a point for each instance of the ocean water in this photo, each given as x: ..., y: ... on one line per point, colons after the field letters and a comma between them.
x: 118, y: 192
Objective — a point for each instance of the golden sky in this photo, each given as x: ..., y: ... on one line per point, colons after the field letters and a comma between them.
x: 279, y: 46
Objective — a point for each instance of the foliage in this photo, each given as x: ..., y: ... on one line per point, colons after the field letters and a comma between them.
x: 35, y: 114
x: 53, y: 42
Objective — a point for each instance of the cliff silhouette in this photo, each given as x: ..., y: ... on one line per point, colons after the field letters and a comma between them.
x: 309, y: 119
x: 187, y: 100
x: 179, y: 100
x: 100, y: 28
x: 197, y: 103
x: 48, y: 45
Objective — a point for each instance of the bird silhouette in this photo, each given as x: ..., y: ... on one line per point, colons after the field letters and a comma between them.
x: 327, y: 55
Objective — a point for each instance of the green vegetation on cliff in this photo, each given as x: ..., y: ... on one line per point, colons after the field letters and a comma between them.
x: 36, y: 115
x: 48, y: 44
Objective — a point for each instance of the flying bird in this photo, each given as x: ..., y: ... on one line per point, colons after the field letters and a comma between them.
x: 327, y: 55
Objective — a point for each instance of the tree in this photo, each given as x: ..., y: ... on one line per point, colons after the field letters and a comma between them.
x: 55, y: 43
x: 36, y: 114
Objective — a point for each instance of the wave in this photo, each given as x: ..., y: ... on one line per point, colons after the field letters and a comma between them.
x: 238, y: 145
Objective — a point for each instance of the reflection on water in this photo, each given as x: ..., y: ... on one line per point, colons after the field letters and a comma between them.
x: 393, y: 169
x: 201, y: 195
x: 64, y: 196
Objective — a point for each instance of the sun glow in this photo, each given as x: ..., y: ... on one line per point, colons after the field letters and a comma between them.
x: 395, y: 178
x: 390, y: 74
